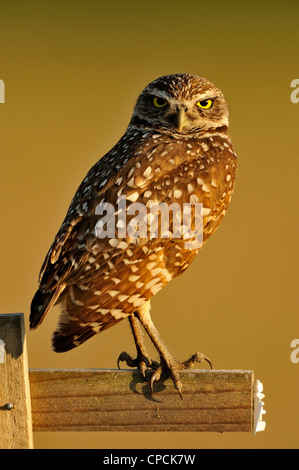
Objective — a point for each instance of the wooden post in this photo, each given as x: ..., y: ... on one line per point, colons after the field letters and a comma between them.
x: 15, y: 408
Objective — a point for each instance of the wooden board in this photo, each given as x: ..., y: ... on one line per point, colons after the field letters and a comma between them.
x: 15, y: 410
x: 120, y: 400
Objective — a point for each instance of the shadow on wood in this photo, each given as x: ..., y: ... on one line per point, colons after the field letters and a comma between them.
x: 113, y: 400
x: 116, y: 400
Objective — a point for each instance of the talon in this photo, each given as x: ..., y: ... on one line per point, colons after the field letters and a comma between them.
x: 208, y: 361
x: 179, y: 387
x: 155, y: 376
x: 173, y: 367
x: 125, y: 357
x: 152, y: 383
x: 143, y: 368
x: 142, y: 362
x: 197, y: 357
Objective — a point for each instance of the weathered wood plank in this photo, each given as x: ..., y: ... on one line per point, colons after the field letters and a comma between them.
x: 113, y: 400
x: 15, y: 409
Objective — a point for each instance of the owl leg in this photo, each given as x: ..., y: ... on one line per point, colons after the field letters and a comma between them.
x: 167, y: 362
x: 142, y: 361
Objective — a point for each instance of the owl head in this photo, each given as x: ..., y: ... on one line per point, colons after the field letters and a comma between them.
x: 181, y: 103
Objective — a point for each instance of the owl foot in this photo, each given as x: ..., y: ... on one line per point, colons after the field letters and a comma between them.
x: 167, y: 363
x: 142, y: 362
x: 198, y: 357
x: 173, y: 368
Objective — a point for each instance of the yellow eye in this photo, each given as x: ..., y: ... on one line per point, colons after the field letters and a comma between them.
x: 159, y: 102
x: 205, y: 104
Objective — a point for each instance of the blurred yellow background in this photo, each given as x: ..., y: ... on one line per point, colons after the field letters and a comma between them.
x: 72, y: 73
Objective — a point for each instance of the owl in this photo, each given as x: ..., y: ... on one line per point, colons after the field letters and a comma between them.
x: 175, y: 156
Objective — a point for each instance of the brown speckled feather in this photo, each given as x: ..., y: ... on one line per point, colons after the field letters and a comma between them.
x: 98, y: 282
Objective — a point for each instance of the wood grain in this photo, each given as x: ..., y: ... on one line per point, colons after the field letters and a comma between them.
x: 120, y: 400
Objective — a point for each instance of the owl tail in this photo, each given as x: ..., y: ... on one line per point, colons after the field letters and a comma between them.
x: 65, y: 341
x: 71, y: 334
x: 40, y: 305
x: 79, y: 320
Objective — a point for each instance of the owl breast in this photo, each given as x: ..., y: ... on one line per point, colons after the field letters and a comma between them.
x: 177, y: 172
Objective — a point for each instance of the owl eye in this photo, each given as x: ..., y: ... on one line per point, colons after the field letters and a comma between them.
x: 159, y: 102
x: 205, y: 104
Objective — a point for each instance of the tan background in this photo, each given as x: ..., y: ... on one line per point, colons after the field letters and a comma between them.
x: 73, y: 71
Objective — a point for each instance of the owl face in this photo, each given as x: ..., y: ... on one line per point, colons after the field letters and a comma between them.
x: 181, y: 103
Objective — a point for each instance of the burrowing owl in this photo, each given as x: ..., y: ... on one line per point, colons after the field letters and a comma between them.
x: 176, y: 150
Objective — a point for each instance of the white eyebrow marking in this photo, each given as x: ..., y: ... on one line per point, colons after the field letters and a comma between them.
x: 210, y: 94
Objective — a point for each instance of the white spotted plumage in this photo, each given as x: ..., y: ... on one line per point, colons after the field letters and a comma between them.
x: 179, y: 153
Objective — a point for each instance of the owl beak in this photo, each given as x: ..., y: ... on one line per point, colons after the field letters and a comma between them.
x: 181, y: 118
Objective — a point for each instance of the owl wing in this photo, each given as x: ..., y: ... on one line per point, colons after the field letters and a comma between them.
x: 71, y: 247
x: 55, y: 269
x: 67, y: 252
